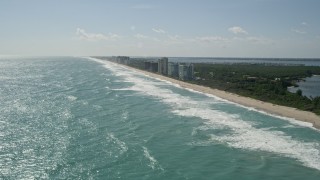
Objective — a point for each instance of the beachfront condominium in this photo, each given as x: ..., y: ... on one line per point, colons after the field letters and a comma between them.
x: 173, y: 70
x: 186, y: 71
x: 121, y: 59
x: 151, y: 66
x: 163, y: 66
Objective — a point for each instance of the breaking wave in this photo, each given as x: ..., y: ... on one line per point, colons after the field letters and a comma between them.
x: 238, y: 132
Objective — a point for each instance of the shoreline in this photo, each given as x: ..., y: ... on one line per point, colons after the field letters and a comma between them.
x: 273, y: 109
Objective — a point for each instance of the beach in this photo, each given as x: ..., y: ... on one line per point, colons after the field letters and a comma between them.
x: 270, y: 108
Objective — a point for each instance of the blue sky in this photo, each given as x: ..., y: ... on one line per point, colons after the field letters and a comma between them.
x: 216, y: 28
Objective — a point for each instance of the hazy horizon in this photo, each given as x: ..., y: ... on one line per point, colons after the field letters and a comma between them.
x: 249, y: 28
x: 202, y: 57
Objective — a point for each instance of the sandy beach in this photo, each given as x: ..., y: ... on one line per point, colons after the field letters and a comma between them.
x: 270, y: 108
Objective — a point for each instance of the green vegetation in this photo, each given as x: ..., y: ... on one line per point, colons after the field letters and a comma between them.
x: 259, y: 81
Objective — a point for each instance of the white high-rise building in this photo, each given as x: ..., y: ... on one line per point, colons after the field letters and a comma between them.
x: 186, y: 71
x: 163, y: 66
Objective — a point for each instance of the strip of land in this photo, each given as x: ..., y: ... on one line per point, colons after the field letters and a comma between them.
x: 245, y: 101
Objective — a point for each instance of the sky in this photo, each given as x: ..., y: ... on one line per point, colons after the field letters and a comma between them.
x: 187, y: 28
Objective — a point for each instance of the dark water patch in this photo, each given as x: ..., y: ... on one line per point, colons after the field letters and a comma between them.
x: 310, y: 87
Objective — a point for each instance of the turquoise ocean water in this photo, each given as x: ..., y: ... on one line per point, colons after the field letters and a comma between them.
x: 82, y: 118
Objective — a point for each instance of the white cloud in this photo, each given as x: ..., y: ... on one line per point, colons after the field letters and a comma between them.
x: 304, y: 24
x: 210, y: 39
x: 83, y: 35
x: 158, y: 30
x: 253, y: 39
x: 237, y: 30
x: 298, y: 31
x: 175, y: 38
x: 133, y: 28
x: 141, y: 36
x: 259, y: 40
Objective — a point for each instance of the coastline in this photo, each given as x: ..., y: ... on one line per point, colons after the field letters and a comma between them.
x: 267, y: 107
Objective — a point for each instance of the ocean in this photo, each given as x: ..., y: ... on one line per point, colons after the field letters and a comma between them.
x: 83, y: 118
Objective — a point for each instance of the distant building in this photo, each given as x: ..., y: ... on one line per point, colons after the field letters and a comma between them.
x: 151, y: 66
x: 121, y: 59
x: 173, y: 69
x: 147, y: 65
x: 154, y: 67
x: 163, y: 66
x: 137, y: 63
x: 186, y: 71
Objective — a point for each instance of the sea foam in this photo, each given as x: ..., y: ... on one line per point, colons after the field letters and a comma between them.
x: 241, y: 134
x: 153, y: 163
